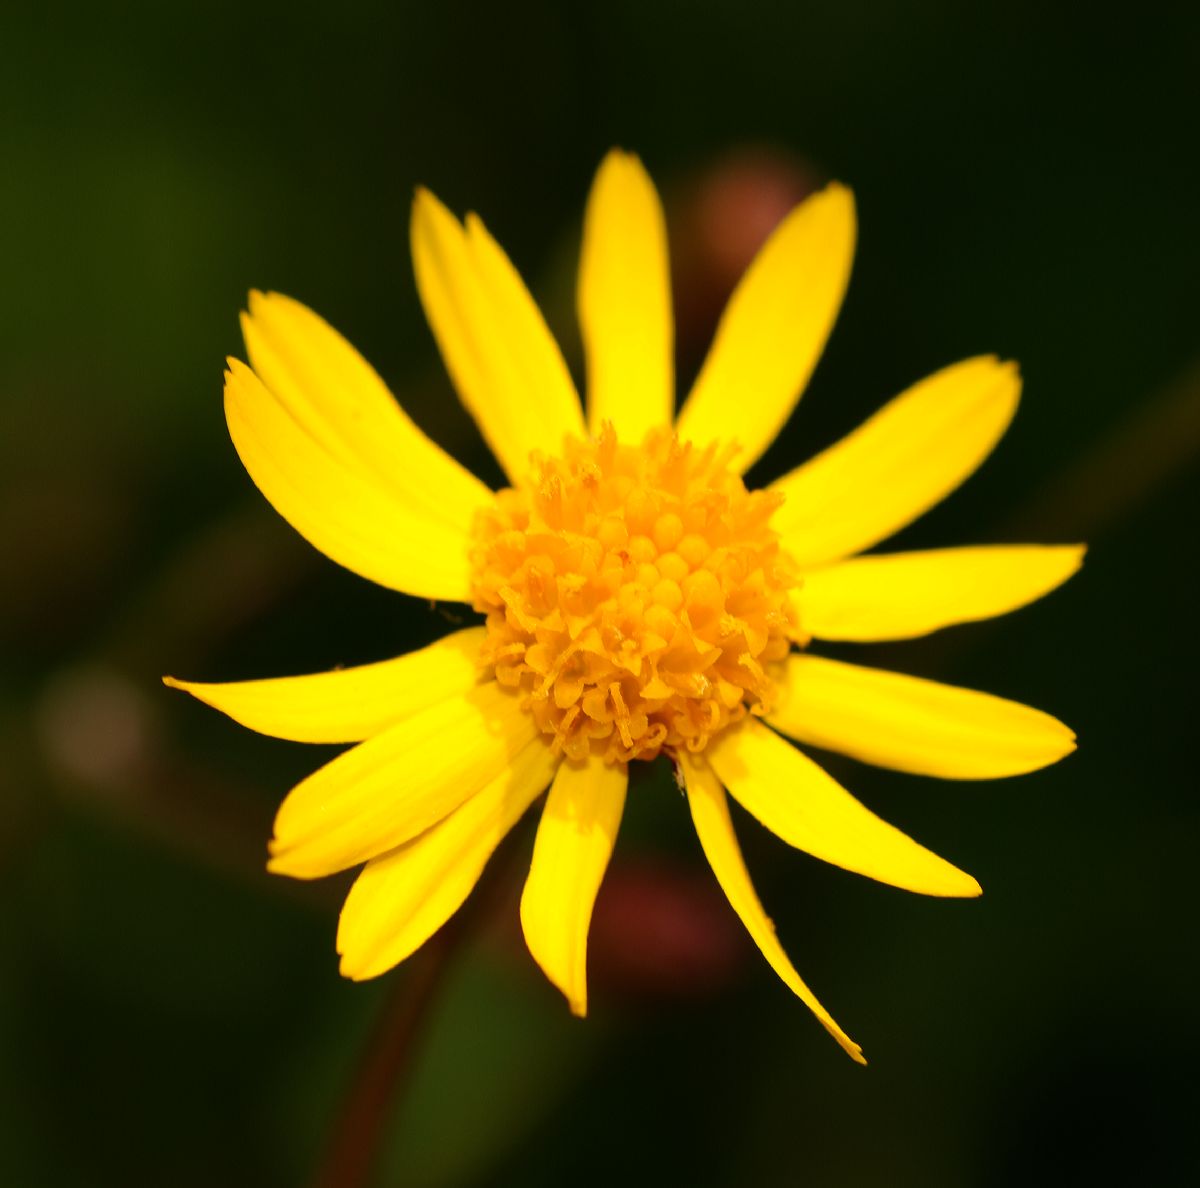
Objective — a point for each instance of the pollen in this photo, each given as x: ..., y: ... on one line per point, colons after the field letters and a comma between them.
x: 636, y: 595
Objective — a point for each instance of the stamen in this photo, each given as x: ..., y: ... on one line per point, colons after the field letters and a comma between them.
x: 637, y: 594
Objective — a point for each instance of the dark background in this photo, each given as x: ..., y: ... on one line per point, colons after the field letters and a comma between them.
x: 169, y: 1014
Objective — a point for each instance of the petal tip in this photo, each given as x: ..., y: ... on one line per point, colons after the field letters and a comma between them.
x: 354, y: 970
x: 283, y: 862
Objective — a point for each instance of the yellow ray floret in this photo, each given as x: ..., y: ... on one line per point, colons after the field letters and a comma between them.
x: 403, y: 897
x: 904, y: 595
x: 505, y: 364
x: 898, y: 463
x: 348, y: 704
x: 774, y: 328
x: 388, y: 789
x: 337, y: 505
x: 335, y: 395
x: 710, y: 815
x: 625, y: 302
x: 575, y: 839
x: 911, y: 724
x: 808, y: 809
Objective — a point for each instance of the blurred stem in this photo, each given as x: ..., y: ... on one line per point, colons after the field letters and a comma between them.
x: 1157, y: 441
x: 358, y: 1129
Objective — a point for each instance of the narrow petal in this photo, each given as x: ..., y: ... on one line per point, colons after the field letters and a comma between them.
x: 896, y: 465
x: 903, y: 595
x: 574, y: 842
x: 339, y: 400
x: 388, y: 789
x: 714, y: 827
x: 348, y: 704
x: 339, y: 507
x: 774, y: 328
x: 911, y: 724
x: 402, y: 898
x: 503, y: 360
x: 625, y: 302
x: 810, y: 810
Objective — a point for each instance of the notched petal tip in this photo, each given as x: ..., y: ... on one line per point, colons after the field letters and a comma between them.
x: 356, y: 971
x: 427, y: 206
x: 193, y: 688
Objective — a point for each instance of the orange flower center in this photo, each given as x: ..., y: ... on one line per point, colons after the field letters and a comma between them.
x: 635, y: 594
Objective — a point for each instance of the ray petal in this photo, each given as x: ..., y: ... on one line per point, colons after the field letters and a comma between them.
x: 914, y: 725
x: 625, y: 302
x: 505, y: 364
x: 774, y: 328
x: 910, y: 455
x: 403, y: 897
x: 574, y: 842
x: 904, y: 595
x: 808, y: 809
x: 388, y: 789
x: 714, y: 827
x: 338, y: 506
x: 348, y: 704
x: 335, y: 395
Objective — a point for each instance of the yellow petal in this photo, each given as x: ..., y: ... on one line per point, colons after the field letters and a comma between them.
x: 348, y: 704
x: 808, y: 809
x: 388, y: 789
x: 625, y: 302
x: 339, y: 400
x: 503, y: 360
x: 911, y: 724
x: 774, y: 328
x: 575, y: 839
x: 896, y: 465
x: 339, y: 507
x: 402, y: 898
x: 710, y: 814
x: 903, y: 595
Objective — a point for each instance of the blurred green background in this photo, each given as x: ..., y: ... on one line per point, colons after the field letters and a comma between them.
x: 169, y: 1014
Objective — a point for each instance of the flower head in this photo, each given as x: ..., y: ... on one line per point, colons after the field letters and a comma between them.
x: 638, y: 600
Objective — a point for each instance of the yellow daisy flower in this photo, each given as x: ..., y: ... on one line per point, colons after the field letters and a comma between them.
x: 638, y: 599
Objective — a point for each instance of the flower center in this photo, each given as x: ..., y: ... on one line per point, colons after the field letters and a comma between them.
x: 635, y: 594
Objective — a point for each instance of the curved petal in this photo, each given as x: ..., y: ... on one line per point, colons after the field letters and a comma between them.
x: 910, y: 455
x: 339, y: 400
x: 348, y: 704
x: 503, y: 360
x: 388, y: 789
x: 575, y: 839
x: 714, y: 827
x: 340, y: 508
x: 402, y: 898
x: 913, y: 725
x: 625, y: 302
x: 774, y: 328
x: 810, y: 810
x: 903, y: 595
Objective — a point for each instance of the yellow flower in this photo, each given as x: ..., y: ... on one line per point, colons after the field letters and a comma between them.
x: 638, y: 599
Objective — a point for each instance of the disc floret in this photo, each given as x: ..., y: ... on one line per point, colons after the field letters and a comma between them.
x: 635, y: 594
